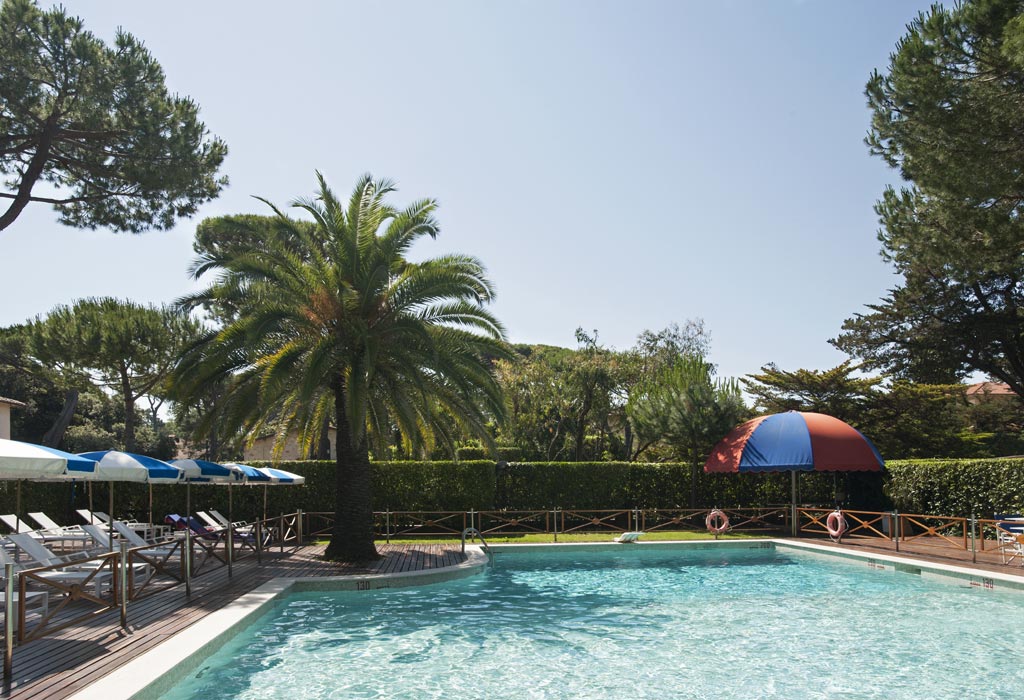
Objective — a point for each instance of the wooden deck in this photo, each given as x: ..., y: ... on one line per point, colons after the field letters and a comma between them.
x: 928, y: 549
x: 58, y: 666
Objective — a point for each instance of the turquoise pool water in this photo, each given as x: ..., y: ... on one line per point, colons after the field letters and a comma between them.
x: 635, y: 622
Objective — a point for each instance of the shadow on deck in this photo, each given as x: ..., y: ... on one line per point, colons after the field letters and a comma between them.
x: 58, y: 666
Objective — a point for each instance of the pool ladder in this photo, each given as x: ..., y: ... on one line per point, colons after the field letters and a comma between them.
x: 474, y: 533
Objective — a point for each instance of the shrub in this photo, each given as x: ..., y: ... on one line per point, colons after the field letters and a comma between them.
x: 957, y: 487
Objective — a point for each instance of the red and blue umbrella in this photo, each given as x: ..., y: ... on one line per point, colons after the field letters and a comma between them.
x: 794, y: 441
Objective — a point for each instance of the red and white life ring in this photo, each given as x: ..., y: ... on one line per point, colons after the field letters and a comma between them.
x: 717, y: 522
x: 835, y: 524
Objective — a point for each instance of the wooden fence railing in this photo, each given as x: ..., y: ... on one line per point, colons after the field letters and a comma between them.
x: 394, y: 524
x: 935, y: 532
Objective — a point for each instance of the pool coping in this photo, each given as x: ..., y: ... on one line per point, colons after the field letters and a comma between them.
x: 978, y: 578
x: 154, y: 672
x: 158, y: 669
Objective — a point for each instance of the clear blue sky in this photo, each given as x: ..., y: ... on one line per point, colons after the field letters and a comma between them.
x: 616, y: 165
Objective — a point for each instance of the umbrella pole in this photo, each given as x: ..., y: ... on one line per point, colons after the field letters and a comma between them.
x: 110, y: 528
x: 793, y: 522
x: 92, y: 518
x: 231, y: 508
x: 17, y: 505
x: 188, y: 505
x: 151, y: 504
x: 266, y: 489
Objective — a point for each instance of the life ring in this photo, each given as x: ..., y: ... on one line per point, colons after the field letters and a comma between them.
x: 717, y: 522
x: 835, y: 524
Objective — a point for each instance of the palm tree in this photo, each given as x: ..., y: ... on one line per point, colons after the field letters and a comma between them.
x: 331, y: 321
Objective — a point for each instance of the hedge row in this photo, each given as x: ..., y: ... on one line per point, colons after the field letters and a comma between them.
x: 957, y: 487
x: 943, y: 487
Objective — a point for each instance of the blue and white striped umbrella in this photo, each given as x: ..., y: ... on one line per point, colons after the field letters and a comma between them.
x: 112, y: 465
x: 252, y: 474
x: 268, y: 476
x: 201, y: 471
x: 280, y: 476
x: 23, y: 460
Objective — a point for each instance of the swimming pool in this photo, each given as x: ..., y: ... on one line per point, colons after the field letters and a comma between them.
x: 636, y: 622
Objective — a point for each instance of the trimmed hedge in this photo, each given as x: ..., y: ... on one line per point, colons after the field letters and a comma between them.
x: 940, y: 487
x: 957, y: 487
x: 594, y: 485
x: 397, y: 485
x: 505, y: 454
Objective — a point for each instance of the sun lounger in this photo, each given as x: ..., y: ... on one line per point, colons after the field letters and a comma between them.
x: 20, y: 527
x: 92, y: 517
x: 134, y: 540
x: 81, y: 574
x: 147, y: 530
x: 174, y: 521
x: 215, y: 523
x: 37, y: 602
x: 1010, y: 536
x: 153, y: 555
x: 179, y: 522
x: 98, y: 516
x: 52, y: 532
x: 15, y: 524
x: 210, y: 520
x: 243, y: 530
x: 225, y: 522
x: 47, y: 523
x: 628, y: 537
x: 37, y: 551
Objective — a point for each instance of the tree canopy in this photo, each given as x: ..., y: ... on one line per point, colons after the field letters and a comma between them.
x: 121, y: 346
x: 946, y: 113
x: 689, y: 409
x: 97, y: 124
x: 835, y: 392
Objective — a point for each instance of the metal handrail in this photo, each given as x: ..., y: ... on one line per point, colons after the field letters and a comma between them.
x: 473, y: 532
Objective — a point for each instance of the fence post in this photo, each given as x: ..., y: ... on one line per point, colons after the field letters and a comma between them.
x: 280, y: 531
x: 555, y: 514
x: 187, y: 558
x: 471, y: 518
x: 896, y: 528
x: 974, y: 539
x: 299, y: 527
x: 231, y: 548
x: 259, y: 541
x: 9, y: 624
x: 387, y: 525
x: 123, y: 592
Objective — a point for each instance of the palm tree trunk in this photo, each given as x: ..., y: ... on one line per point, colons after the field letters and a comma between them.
x: 352, y: 539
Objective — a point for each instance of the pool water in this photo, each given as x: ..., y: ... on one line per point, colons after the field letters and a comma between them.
x: 634, y: 622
